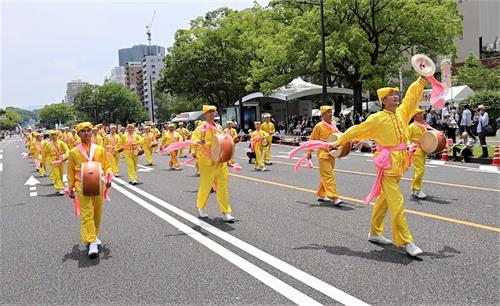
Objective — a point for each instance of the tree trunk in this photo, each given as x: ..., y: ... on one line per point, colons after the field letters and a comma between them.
x: 337, y: 105
x: 357, y: 88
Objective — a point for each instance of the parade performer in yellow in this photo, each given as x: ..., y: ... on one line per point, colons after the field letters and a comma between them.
x: 415, y: 132
x: 327, y: 190
x: 131, y: 143
x: 91, y: 206
x: 157, y: 134
x: 171, y: 136
x: 67, y: 137
x: 210, y: 170
x: 36, y: 150
x: 389, y: 129
x: 76, y: 139
x: 55, y: 153
x: 194, y: 149
x: 186, y: 134
x: 231, y: 131
x: 259, y: 141
x: 149, y: 144
x: 111, y: 144
x: 96, y: 137
x: 269, y: 128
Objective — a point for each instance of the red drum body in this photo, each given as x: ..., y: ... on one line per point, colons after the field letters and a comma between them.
x: 433, y: 142
x: 222, y: 148
x: 91, y: 178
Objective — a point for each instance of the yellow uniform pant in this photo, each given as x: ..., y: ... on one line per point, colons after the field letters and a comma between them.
x: 114, y: 161
x: 267, y: 152
x: 149, y: 155
x: 56, y: 174
x: 174, y: 161
x: 90, y: 216
x: 391, y: 197
x: 418, y: 171
x: 41, y: 169
x: 208, y: 174
x: 181, y: 152
x: 327, y: 186
x: 131, y: 160
x: 259, y: 158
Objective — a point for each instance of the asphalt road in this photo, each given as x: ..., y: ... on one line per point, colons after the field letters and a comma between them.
x: 284, y: 248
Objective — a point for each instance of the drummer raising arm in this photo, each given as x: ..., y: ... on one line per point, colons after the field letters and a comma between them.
x: 90, y: 206
x: 211, y: 170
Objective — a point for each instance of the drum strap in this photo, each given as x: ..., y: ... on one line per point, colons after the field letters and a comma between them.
x: 332, y: 127
x: 84, y: 153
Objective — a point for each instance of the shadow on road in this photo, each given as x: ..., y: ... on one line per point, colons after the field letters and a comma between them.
x: 82, y: 256
x: 389, y: 253
x: 344, y: 206
x: 216, y: 222
x: 431, y: 199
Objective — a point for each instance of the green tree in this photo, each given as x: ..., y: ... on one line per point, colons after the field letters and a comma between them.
x: 478, y: 77
x: 110, y: 102
x: 167, y: 105
x: 366, y: 40
x: 57, y: 113
x: 26, y: 115
x: 9, y: 119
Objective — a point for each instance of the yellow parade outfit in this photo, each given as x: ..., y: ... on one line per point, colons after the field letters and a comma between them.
x: 55, y: 151
x: 186, y: 134
x: 157, y: 134
x: 257, y: 138
x: 149, y: 138
x: 98, y: 140
x: 415, y: 133
x: 37, y: 148
x: 390, y: 129
x: 234, y: 135
x: 269, y: 128
x: 327, y: 186
x: 68, y: 139
x: 168, y: 138
x: 131, y: 144
x: 111, y: 144
x: 91, y: 207
x: 210, y: 170
x: 195, y: 149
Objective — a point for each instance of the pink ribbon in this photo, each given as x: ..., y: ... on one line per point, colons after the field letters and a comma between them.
x: 382, y: 162
x: 178, y: 145
x: 76, y: 203
x: 235, y: 168
x: 24, y: 155
x: 109, y: 177
x: 57, y: 162
x: 332, y: 127
x: 309, y: 145
x: 37, y: 163
x: 303, y: 160
x: 209, y: 126
x: 189, y: 160
x: 437, y: 93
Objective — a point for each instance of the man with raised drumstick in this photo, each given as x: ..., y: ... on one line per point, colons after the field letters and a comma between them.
x: 327, y: 190
x: 415, y: 133
x: 211, y: 170
x: 90, y: 206
x: 389, y: 130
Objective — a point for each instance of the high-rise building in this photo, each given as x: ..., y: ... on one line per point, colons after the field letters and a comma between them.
x: 132, y: 72
x: 118, y: 75
x: 137, y: 53
x: 72, y: 89
x: 151, y: 66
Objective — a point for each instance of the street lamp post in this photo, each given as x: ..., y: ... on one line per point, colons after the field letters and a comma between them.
x: 323, y: 47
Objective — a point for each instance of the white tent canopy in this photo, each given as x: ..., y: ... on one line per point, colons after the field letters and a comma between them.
x: 296, y: 89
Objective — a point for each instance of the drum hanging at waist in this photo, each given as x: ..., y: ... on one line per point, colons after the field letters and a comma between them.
x: 339, y: 151
x: 433, y: 142
x: 222, y: 148
x: 91, y: 178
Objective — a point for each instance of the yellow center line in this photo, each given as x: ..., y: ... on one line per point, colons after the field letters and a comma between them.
x: 409, y: 211
x: 404, y: 178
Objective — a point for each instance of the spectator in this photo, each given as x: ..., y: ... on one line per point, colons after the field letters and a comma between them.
x: 466, y: 144
x: 452, y: 124
x: 466, y: 122
x: 482, y: 122
x: 432, y: 118
x: 445, y: 117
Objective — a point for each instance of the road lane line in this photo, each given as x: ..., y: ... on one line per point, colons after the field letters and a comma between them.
x: 1, y: 167
x: 33, y: 188
x: 273, y: 282
x: 403, y: 178
x: 292, y: 271
x: 33, y: 194
x: 1, y: 156
x: 414, y: 212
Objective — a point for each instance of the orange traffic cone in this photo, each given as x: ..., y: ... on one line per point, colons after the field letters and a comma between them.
x: 294, y: 142
x: 444, y: 154
x: 496, y: 156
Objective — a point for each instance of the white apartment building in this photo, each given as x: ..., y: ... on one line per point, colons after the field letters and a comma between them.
x: 72, y: 89
x: 118, y: 75
x: 151, y: 67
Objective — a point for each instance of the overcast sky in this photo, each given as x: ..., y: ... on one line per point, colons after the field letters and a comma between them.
x: 46, y: 44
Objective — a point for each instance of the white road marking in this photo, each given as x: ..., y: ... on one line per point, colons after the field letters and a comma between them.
x: 1, y: 156
x: 485, y: 169
x: 1, y: 167
x: 144, y: 168
x: 65, y: 178
x: 436, y: 162
x: 292, y: 271
x: 1, y: 151
x: 32, y: 181
x: 33, y: 188
x: 273, y: 282
x: 33, y: 194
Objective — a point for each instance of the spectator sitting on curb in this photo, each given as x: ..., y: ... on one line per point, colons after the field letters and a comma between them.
x: 464, y: 146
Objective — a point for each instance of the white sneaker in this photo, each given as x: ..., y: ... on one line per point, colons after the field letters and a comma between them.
x: 98, y: 241
x: 412, y: 249
x: 202, y: 213
x: 60, y: 192
x: 420, y: 194
x: 379, y: 239
x: 93, y: 250
x: 228, y: 218
x: 337, y: 201
x: 268, y: 162
x: 263, y: 169
x: 322, y: 199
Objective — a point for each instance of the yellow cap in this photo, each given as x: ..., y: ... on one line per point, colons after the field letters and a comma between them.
x: 207, y: 108
x: 267, y: 115
x: 112, y: 126
x: 257, y: 122
x: 82, y: 125
x: 130, y: 125
x: 324, y: 108
x: 418, y: 111
x: 181, y: 123
x: 384, y: 92
x: 53, y: 132
x: 170, y: 125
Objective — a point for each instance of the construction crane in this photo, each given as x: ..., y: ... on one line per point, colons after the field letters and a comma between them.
x: 148, y: 31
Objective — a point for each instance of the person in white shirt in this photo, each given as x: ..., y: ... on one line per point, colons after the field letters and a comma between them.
x: 482, y: 122
x: 445, y: 117
x: 466, y: 122
x: 464, y: 147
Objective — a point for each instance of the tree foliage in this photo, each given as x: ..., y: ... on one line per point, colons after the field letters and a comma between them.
x: 478, y: 77
x: 57, y: 113
x: 110, y: 102
x: 9, y: 119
